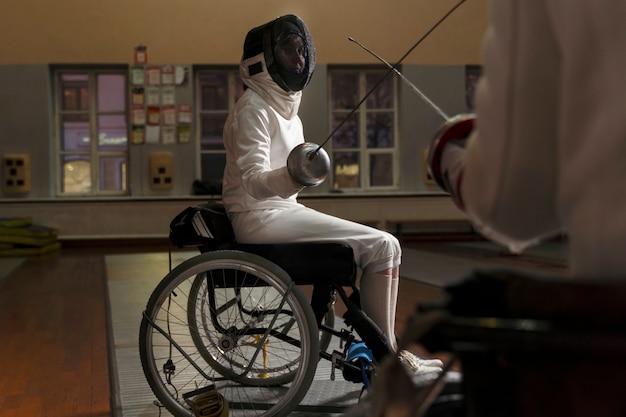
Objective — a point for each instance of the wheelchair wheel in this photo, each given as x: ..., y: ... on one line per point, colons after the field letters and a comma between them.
x: 205, y: 299
x: 233, y: 320
x: 212, y: 310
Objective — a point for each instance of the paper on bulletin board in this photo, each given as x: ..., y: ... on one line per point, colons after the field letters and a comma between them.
x: 180, y: 75
x: 184, y: 134
x: 168, y: 115
x: 137, y: 76
x: 138, y: 135
x: 153, y: 134
x: 153, y: 75
x: 154, y: 115
x: 167, y: 75
x: 141, y: 54
x: 184, y: 113
x: 168, y: 95
x: 138, y: 96
x: 138, y: 115
x: 168, y: 135
x: 153, y: 96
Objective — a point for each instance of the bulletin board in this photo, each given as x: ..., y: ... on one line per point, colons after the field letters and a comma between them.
x: 157, y: 117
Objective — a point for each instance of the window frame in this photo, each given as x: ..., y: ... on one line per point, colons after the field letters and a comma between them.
x: 94, y: 154
x: 365, y: 153
x: 232, y: 72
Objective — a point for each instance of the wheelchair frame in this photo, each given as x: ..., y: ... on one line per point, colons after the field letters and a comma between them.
x: 234, y: 320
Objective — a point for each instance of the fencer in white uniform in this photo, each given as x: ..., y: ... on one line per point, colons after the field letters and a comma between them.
x: 547, y: 153
x: 260, y: 195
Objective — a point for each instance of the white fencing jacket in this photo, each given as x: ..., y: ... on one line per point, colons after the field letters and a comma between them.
x: 258, y: 192
x: 549, y: 150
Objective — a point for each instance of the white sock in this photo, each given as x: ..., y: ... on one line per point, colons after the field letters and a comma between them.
x: 379, y: 294
x: 393, y: 304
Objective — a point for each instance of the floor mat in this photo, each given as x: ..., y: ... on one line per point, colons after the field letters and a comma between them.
x: 441, y: 265
x: 131, y: 279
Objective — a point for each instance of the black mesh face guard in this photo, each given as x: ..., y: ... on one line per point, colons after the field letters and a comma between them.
x: 288, y: 51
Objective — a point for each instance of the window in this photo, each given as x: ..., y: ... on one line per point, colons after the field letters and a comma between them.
x: 217, y: 92
x: 364, y: 149
x: 91, y: 131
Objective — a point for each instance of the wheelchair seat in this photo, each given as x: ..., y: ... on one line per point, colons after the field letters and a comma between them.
x: 308, y: 263
x: 208, y: 228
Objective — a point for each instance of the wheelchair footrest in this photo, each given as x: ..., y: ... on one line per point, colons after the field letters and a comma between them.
x: 359, y: 355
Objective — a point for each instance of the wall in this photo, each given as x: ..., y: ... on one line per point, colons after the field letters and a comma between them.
x: 146, y: 218
x: 201, y: 31
x: 193, y: 32
x: 444, y: 86
x: 184, y: 156
x: 25, y: 121
x: 25, y: 127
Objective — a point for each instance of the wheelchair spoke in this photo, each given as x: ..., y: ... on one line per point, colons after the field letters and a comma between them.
x: 233, y: 320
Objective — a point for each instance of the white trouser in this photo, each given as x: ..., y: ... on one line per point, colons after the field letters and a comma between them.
x: 374, y: 250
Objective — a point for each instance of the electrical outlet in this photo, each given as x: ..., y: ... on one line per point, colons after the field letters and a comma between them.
x: 16, y: 178
x: 161, y: 170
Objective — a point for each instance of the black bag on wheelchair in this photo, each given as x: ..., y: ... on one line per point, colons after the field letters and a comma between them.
x: 206, y: 226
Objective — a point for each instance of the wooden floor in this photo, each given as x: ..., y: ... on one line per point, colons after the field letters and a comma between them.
x: 54, y: 354
x: 54, y: 357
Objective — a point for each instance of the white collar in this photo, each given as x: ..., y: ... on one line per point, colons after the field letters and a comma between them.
x: 286, y: 104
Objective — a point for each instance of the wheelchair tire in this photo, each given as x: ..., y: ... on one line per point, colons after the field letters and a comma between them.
x: 233, y: 320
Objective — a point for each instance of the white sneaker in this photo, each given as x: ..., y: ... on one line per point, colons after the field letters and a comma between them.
x: 416, y: 366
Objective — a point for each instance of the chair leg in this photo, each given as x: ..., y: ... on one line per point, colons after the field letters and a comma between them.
x: 322, y: 298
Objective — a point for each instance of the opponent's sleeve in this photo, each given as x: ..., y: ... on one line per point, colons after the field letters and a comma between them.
x: 510, y: 172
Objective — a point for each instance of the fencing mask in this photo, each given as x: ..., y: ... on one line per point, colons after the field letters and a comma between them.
x: 288, y: 50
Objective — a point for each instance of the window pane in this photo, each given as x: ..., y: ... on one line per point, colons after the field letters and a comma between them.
x: 348, y: 135
x: 381, y: 170
x: 214, y: 91
x: 113, y: 173
x: 74, y: 92
x: 111, y: 92
x: 76, y: 176
x: 380, y: 130
x: 381, y: 98
x: 346, y: 170
x: 112, y: 132
x: 213, y: 169
x: 344, y: 87
x: 75, y: 132
x: 211, y: 133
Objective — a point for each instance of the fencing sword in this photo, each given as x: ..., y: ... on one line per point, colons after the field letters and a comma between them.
x: 465, y: 121
x: 406, y: 80
x: 308, y: 163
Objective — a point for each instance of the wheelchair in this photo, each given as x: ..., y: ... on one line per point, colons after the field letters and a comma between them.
x: 232, y: 325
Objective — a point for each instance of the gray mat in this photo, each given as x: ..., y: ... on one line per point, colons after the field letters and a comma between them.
x: 446, y: 264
